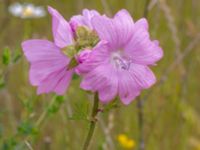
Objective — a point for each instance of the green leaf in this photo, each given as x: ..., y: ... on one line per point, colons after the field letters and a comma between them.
x: 2, y: 82
x: 60, y: 99
x: 6, y: 56
x: 27, y: 128
x: 9, y: 144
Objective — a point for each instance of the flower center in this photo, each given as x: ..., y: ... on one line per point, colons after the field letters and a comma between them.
x: 120, y: 61
x: 28, y: 11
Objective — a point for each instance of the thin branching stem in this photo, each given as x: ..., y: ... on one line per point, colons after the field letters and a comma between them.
x: 40, y: 119
x: 92, y: 122
x: 44, y: 113
x: 141, y: 124
x: 173, y: 66
x: 140, y: 101
x: 106, y: 7
x: 146, y: 10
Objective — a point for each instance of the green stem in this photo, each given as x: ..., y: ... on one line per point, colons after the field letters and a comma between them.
x: 92, y: 123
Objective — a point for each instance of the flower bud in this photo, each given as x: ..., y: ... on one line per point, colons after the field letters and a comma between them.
x: 83, y: 55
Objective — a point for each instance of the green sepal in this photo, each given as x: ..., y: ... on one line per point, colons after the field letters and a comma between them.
x: 69, y: 51
x: 85, y: 38
x: 73, y: 63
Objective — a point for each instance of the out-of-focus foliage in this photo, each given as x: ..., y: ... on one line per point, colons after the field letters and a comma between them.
x: 6, y: 56
x: 171, y: 107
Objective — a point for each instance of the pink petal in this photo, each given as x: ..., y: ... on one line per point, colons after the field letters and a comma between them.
x: 128, y: 88
x: 102, y: 79
x: 116, y: 31
x: 84, y: 19
x: 63, y: 84
x: 83, y: 55
x: 76, y: 21
x: 62, y: 31
x: 124, y: 25
x: 143, y: 23
x: 36, y: 50
x: 44, y: 57
x: 99, y: 54
x: 56, y: 82
x: 106, y: 30
x: 140, y: 48
x: 95, y: 79
x: 143, y: 76
x: 109, y: 92
x: 99, y: 74
x: 90, y: 13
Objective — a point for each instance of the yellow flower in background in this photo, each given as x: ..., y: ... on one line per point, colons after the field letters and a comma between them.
x: 126, y: 142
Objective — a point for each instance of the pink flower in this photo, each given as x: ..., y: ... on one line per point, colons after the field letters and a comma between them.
x: 83, y: 55
x: 81, y: 58
x: 84, y: 19
x: 118, y: 65
x: 48, y: 64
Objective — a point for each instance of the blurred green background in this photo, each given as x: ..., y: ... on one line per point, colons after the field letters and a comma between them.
x: 170, y: 112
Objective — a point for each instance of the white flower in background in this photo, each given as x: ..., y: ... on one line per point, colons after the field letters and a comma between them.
x: 26, y: 10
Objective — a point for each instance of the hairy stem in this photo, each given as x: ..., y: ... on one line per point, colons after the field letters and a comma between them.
x: 92, y: 123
